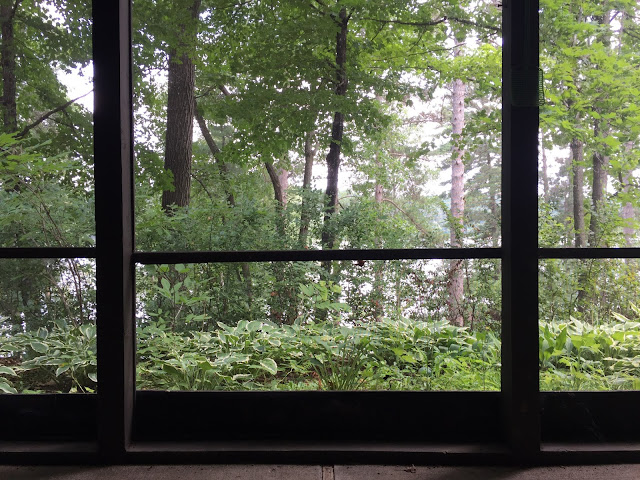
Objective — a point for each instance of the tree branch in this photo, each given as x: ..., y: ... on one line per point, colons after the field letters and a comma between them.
x: 464, y: 21
x: 433, y: 23
x: 411, y: 219
x: 14, y: 9
x: 215, y: 151
x: 204, y: 187
x: 41, y: 119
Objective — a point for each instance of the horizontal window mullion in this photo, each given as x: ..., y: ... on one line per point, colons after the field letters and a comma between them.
x: 544, y: 253
x: 342, y: 409
x: 48, y: 252
x: 151, y: 258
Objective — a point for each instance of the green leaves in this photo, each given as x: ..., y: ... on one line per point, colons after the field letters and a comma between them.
x: 269, y: 365
x: 6, y: 388
x: 39, y: 347
x: 7, y: 371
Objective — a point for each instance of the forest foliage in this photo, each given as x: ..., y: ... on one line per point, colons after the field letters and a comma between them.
x: 330, y: 124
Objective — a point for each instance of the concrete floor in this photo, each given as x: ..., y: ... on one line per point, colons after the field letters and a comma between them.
x: 337, y: 472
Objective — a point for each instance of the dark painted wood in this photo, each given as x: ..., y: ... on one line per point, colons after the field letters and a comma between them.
x: 149, y: 258
x: 323, y: 453
x: 591, y: 418
x: 520, y: 229
x: 452, y: 417
x: 71, y: 252
x: 317, y: 453
x: 114, y: 224
x: 49, y: 417
x: 589, y: 253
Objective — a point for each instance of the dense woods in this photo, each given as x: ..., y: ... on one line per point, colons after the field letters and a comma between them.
x: 328, y: 124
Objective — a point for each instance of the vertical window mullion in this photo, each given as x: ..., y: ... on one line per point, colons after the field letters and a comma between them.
x: 520, y: 376
x: 114, y: 227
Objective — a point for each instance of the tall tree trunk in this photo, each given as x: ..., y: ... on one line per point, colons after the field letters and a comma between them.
x: 180, y: 113
x: 599, y: 164
x: 305, y: 207
x: 333, y: 157
x: 280, y: 182
x: 493, y: 207
x: 283, y: 179
x: 8, y: 59
x: 545, y: 171
x: 577, y: 155
x: 284, y: 308
x: 627, y: 212
x: 599, y: 160
x: 456, y: 272
x: 378, y: 266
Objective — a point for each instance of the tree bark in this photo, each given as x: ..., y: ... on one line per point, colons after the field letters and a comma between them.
x: 180, y: 113
x: 305, y: 210
x: 577, y: 156
x: 494, y: 223
x: 215, y: 151
x: 280, y: 182
x: 333, y: 157
x: 378, y: 266
x: 545, y: 174
x: 599, y: 160
x: 627, y: 212
x: 283, y: 304
x: 456, y: 273
x: 8, y: 59
x: 599, y: 163
x: 577, y: 181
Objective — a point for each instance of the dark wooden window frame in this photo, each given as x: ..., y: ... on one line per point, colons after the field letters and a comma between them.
x: 119, y: 425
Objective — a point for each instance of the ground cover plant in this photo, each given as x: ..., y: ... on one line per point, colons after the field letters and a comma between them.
x: 320, y: 125
x: 396, y: 354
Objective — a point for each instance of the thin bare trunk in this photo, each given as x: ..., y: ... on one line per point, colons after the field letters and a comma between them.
x: 248, y: 283
x: 493, y: 208
x: 599, y: 160
x: 577, y: 156
x: 378, y: 267
x: 599, y: 164
x: 577, y: 152
x: 627, y: 212
x: 456, y: 273
x: 545, y: 172
x: 305, y: 211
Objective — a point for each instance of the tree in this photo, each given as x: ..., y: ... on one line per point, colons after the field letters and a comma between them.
x: 456, y: 279
x: 181, y: 105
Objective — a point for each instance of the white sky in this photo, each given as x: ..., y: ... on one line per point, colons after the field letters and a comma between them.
x: 79, y: 82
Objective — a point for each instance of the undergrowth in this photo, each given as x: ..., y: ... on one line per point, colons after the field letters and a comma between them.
x: 386, y: 355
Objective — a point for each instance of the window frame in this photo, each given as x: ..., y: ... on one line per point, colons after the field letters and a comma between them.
x: 120, y: 425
